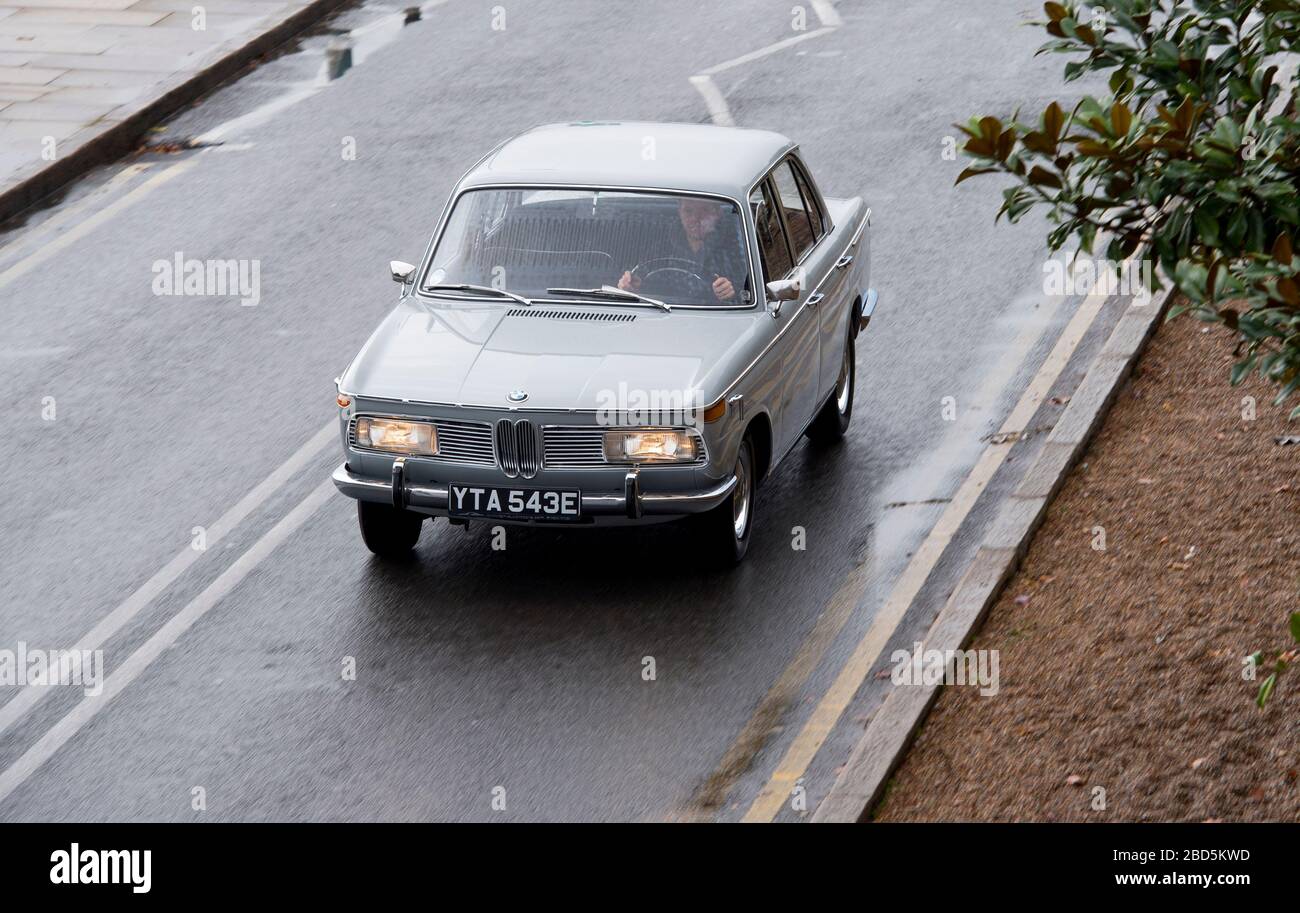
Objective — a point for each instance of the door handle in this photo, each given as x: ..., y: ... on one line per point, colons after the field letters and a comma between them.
x: 815, y: 299
x: 844, y: 261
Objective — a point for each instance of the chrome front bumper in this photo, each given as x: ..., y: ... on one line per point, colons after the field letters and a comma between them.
x: 631, y: 503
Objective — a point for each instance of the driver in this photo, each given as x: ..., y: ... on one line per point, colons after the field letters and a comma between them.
x: 702, y: 241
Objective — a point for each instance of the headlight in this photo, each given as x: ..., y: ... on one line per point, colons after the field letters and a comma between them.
x: 651, y: 447
x: 397, y: 436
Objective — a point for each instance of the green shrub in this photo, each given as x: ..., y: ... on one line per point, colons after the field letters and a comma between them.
x: 1180, y: 160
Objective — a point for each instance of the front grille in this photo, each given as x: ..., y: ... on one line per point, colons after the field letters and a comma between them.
x: 519, y: 447
x: 574, y: 448
x: 464, y: 442
x: 516, y: 446
x: 458, y: 442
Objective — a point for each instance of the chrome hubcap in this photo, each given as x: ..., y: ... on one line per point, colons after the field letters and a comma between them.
x: 844, y: 385
x: 740, y: 499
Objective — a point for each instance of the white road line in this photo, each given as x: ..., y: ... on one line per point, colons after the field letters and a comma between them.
x: 113, y: 622
x: 139, y: 661
x: 827, y: 13
x: 716, y: 102
x: 771, y: 799
x: 763, y: 52
x: 719, y: 113
x: 85, y: 227
x: 29, y: 697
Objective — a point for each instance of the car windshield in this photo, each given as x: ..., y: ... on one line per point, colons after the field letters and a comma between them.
x: 556, y: 244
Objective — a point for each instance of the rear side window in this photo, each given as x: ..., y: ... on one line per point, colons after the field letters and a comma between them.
x: 810, y: 201
x: 773, y: 250
x: 801, y: 214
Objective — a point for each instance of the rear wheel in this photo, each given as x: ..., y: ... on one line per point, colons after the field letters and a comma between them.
x: 727, y: 527
x: 387, y: 531
x: 833, y: 419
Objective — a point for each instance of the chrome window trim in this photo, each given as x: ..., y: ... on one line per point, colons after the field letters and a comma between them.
x: 853, y: 242
x: 752, y: 241
x: 426, y: 262
x: 828, y: 224
x: 789, y: 237
x: 857, y: 236
x: 771, y: 195
x: 825, y: 219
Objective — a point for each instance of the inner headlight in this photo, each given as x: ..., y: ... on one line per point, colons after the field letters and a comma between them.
x: 397, y: 436
x: 651, y: 447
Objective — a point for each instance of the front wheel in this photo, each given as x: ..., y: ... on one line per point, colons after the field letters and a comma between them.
x: 833, y: 419
x: 727, y: 527
x: 387, y: 531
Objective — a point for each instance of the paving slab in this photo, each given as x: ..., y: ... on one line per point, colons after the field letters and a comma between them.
x: 97, y: 74
x: 28, y: 76
x: 91, y: 17
x: 151, y: 65
x: 10, y: 93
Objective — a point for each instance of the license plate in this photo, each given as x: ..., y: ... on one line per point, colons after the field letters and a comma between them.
x: 514, y: 503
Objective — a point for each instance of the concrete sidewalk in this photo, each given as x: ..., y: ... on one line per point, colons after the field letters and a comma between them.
x: 82, y: 80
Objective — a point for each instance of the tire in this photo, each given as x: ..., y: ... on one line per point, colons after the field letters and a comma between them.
x: 728, y: 527
x: 836, y: 413
x: 387, y: 531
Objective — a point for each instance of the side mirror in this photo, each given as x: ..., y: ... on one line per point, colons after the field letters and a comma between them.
x: 401, y: 271
x: 782, y: 290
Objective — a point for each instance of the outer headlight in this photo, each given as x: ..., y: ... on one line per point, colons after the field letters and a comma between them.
x: 651, y: 447
x: 397, y: 436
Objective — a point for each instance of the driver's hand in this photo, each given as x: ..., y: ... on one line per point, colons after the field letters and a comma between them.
x: 629, y: 283
x: 723, y: 290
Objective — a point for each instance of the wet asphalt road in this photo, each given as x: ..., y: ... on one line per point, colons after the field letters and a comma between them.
x: 476, y: 668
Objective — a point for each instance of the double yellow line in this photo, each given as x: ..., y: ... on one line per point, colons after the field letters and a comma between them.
x: 826, y: 715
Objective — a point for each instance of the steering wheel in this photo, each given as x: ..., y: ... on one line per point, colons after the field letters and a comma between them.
x: 676, y: 274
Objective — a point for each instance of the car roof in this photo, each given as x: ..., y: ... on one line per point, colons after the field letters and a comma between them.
x: 692, y: 157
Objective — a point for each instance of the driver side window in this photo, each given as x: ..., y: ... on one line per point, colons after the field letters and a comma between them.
x: 773, y: 249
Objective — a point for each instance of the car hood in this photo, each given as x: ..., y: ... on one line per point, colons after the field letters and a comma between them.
x: 567, y: 356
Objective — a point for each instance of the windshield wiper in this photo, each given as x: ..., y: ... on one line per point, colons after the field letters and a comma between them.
x: 487, y: 289
x: 609, y: 291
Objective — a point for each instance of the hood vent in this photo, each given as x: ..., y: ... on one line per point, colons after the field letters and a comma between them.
x: 596, y: 316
